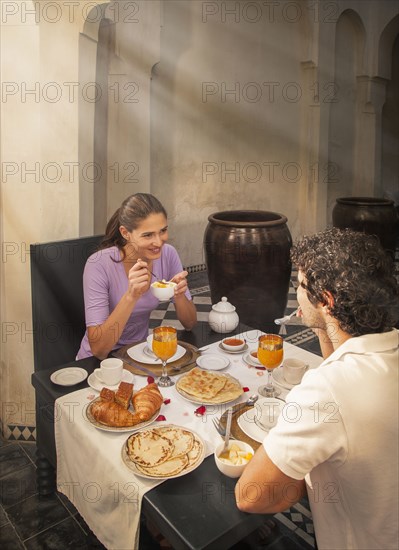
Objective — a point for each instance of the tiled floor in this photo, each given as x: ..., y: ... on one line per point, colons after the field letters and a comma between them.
x: 28, y: 521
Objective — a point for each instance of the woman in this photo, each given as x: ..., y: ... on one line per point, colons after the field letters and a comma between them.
x: 117, y: 278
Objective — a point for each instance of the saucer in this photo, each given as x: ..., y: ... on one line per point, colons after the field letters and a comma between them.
x: 246, y: 421
x: 69, y: 376
x: 221, y: 346
x: 95, y: 383
x: 212, y: 361
x: 278, y: 377
x: 251, y: 361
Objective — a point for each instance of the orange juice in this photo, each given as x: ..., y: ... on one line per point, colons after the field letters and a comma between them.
x: 270, y: 351
x: 164, y: 343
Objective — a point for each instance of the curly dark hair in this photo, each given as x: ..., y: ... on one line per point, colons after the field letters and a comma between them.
x: 358, y: 273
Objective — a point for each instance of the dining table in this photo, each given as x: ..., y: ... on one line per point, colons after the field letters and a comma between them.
x: 192, y: 511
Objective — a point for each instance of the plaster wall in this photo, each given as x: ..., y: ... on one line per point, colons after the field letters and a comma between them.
x: 233, y: 112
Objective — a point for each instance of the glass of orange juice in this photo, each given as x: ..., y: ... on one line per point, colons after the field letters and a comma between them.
x: 270, y: 354
x: 164, y: 345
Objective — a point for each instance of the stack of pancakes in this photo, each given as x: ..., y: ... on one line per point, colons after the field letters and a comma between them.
x: 165, y: 451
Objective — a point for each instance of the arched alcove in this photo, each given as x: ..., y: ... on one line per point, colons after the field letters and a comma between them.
x: 389, y: 67
x: 349, y: 66
x: 96, y: 39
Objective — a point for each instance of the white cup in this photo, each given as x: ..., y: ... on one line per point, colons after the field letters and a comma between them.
x: 110, y: 371
x: 267, y: 412
x: 294, y: 369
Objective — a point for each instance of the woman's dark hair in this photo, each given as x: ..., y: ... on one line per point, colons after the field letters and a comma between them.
x: 358, y: 273
x: 132, y: 211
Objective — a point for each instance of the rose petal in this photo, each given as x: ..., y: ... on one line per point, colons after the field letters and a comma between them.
x: 166, y: 402
x: 261, y: 368
x: 160, y: 418
x: 260, y: 373
x: 245, y: 388
x: 150, y: 380
x: 200, y: 411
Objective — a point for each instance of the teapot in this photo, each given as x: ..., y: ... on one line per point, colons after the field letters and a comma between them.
x: 223, y: 317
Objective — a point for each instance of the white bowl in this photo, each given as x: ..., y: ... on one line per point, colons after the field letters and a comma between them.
x: 232, y: 470
x: 227, y: 343
x: 163, y: 293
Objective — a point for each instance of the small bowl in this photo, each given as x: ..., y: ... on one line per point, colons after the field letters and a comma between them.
x: 233, y: 344
x: 254, y: 357
x: 163, y: 291
x: 232, y: 470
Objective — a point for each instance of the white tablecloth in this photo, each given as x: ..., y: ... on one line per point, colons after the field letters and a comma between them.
x: 90, y: 470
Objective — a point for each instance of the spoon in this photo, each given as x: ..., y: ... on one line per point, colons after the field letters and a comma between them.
x: 286, y: 318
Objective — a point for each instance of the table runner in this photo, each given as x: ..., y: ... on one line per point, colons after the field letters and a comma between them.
x: 90, y: 470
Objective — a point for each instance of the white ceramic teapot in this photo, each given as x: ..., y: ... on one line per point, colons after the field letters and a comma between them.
x: 223, y: 317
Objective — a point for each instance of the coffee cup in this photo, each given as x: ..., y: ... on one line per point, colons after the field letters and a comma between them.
x: 267, y: 411
x: 110, y: 371
x: 294, y: 369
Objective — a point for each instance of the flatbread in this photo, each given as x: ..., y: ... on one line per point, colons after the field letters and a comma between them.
x: 202, y: 383
x: 231, y: 391
x: 182, y: 439
x: 168, y: 468
x: 148, y: 448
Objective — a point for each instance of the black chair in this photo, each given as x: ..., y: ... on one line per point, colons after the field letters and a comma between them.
x: 58, y: 317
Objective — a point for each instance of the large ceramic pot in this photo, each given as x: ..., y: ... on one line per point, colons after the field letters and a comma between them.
x: 370, y: 215
x: 247, y: 253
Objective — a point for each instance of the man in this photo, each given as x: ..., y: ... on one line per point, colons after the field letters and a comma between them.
x: 337, y: 437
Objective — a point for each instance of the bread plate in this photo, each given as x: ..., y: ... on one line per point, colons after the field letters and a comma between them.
x: 106, y: 428
x: 229, y: 395
x: 194, y: 458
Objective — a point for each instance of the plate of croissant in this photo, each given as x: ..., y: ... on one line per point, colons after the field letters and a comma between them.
x: 124, y: 410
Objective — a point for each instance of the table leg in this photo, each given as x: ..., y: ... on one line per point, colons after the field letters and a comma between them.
x: 45, y: 475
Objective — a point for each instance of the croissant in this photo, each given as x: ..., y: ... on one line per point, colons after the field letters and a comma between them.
x: 113, y: 414
x: 147, y: 401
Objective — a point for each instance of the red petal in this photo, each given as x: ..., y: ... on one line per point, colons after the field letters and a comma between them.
x: 166, y: 402
x: 150, y: 380
x: 160, y: 418
x: 200, y: 411
x: 245, y: 388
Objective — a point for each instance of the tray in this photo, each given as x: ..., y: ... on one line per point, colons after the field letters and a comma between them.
x: 184, y: 364
x: 236, y: 431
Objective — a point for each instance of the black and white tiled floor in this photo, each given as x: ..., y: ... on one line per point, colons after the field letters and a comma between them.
x: 30, y: 522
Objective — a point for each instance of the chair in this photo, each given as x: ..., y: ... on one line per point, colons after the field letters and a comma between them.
x: 58, y: 316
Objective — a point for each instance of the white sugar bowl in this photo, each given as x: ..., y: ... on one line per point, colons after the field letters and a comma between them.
x: 223, y: 318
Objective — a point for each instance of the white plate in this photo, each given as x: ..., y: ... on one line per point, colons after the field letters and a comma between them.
x: 69, y: 376
x: 105, y: 428
x: 251, y: 361
x: 199, y: 401
x: 221, y: 346
x: 278, y: 377
x: 95, y: 383
x: 212, y: 361
x: 137, y: 354
x: 246, y: 421
x: 148, y: 351
x: 131, y: 465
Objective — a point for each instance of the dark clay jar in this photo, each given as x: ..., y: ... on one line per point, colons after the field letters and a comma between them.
x: 247, y: 253
x: 370, y: 215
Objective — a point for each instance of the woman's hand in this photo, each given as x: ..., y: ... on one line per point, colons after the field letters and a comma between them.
x: 185, y: 309
x: 138, y: 279
x: 181, y: 283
